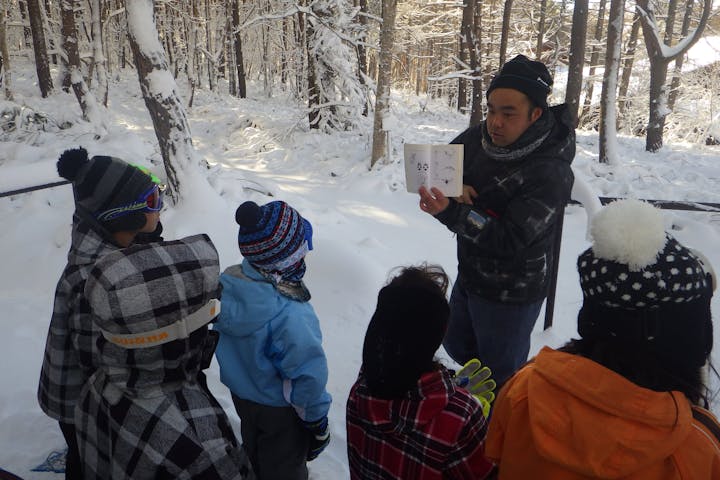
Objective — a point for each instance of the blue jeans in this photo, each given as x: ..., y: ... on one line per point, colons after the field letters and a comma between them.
x: 498, y: 334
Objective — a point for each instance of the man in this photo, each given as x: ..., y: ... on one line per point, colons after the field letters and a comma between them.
x: 517, y: 179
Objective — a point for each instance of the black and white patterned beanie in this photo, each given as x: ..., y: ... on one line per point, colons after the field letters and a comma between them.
x: 101, y: 183
x: 640, y: 285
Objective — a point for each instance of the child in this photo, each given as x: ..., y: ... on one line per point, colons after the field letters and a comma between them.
x: 624, y: 400
x: 114, y: 202
x: 405, y: 416
x: 270, y: 349
x: 144, y: 414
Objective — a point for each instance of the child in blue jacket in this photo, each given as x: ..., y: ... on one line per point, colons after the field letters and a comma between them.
x: 270, y: 348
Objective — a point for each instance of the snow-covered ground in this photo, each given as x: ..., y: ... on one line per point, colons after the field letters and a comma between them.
x: 365, y: 224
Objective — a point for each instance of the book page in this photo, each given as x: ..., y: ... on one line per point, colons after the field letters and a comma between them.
x: 438, y: 166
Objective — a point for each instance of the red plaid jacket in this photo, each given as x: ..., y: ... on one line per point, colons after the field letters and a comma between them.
x: 435, y: 432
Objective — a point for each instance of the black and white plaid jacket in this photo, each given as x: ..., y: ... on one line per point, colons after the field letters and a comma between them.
x: 147, y: 413
x: 70, y: 346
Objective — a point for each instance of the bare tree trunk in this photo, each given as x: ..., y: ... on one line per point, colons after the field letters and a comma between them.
x: 476, y: 112
x: 313, y: 80
x: 71, y: 55
x: 675, y: 84
x: 98, y: 53
x: 541, y: 31
x: 239, y: 63
x: 27, y: 32
x: 659, y: 62
x: 505, y: 33
x: 628, y: 66
x: 382, y: 99
x: 465, y: 45
x: 594, y: 58
x: 608, y: 96
x: 5, y: 75
x: 361, y: 51
x: 577, y: 58
x: 209, y: 48
x: 41, y: 56
x: 163, y: 103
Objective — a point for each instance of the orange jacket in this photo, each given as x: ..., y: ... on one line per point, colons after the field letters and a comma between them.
x: 564, y: 417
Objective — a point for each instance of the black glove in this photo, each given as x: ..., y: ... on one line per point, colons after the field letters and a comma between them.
x: 319, y: 437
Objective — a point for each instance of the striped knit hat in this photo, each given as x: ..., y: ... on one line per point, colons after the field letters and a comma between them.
x: 274, y: 238
x: 101, y: 183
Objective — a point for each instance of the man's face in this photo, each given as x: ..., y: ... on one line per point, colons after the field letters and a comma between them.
x: 509, y: 115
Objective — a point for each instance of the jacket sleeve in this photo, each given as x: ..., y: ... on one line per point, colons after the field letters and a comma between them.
x: 61, y: 377
x: 468, y: 460
x: 529, y: 215
x: 295, y: 348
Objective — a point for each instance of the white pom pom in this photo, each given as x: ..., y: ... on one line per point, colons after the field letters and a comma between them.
x: 629, y: 231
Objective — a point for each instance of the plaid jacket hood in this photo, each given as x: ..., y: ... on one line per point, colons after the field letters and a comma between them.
x: 146, y: 412
x: 69, y: 357
x: 435, y: 432
x: 146, y: 287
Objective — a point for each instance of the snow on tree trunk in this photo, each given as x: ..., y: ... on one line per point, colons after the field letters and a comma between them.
x: 91, y: 111
x: 160, y: 93
x: 382, y: 100
x: 660, y: 55
x: 608, y: 97
x: 70, y: 58
x: 41, y: 56
x: 98, y: 53
x: 5, y: 76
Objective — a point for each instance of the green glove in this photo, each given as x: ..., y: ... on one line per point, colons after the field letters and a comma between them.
x: 477, y: 380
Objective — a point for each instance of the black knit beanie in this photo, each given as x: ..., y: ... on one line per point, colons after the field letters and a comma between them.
x: 404, y: 333
x: 642, y: 288
x: 527, y: 76
x: 101, y: 183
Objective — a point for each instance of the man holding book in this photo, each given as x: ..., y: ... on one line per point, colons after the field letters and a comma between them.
x: 516, y: 181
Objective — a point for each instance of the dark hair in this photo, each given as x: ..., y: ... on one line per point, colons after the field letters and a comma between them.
x: 643, y: 367
x: 426, y: 276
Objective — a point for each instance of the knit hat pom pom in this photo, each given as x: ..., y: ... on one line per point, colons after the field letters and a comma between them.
x: 248, y: 214
x: 630, y: 232
x: 71, y: 161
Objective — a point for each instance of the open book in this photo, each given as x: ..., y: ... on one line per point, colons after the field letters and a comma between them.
x: 439, y: 166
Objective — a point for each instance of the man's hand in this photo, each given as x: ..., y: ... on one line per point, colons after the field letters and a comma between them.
x: 433, y: 201
x: 468, y: 194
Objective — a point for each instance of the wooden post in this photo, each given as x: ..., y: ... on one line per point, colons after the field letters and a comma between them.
x: 550, y: 302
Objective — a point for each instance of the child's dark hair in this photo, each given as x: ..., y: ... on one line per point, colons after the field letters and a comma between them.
x: 426, y: 276
x: 406, y: 329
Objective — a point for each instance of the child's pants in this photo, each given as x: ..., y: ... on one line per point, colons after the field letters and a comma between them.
x: 275, y: 440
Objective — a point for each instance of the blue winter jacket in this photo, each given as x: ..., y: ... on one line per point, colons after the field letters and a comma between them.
x: 270, y: 349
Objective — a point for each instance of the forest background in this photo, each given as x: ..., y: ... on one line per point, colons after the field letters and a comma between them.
x: 310, y: 102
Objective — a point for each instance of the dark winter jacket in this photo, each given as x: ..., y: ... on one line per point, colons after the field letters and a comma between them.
x: 144, y: 414
x: 70, y: 346
x: 505, y: 238
x: 435, y: 432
